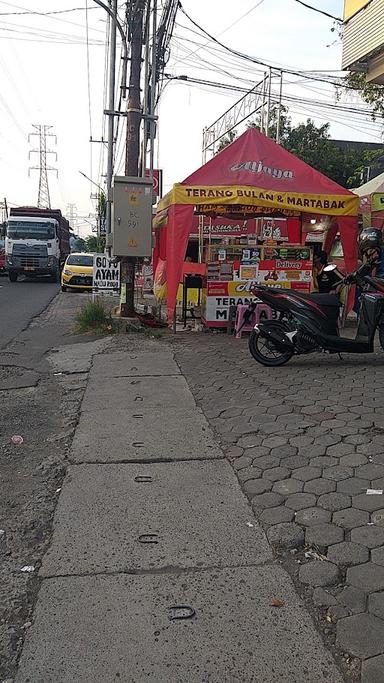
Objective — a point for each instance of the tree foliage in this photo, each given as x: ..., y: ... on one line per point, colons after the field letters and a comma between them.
x: 226, y: 140
x: 77, y: 243
x: 371, y: 93
x: 95, y: 244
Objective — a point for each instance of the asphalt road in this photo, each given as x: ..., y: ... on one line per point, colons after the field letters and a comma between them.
x: 20, y: 302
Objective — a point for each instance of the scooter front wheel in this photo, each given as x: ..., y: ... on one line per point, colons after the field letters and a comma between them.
x: 264, y: 351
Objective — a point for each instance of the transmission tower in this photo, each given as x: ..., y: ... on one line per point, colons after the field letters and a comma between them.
x: 42, y: 132
x: 71, y: 212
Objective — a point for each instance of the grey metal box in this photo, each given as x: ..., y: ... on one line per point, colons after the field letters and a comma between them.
x: 132, y: 216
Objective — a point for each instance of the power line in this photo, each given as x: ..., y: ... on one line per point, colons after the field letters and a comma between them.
x: 293, y: 98
x: 239, y: 59
x: 45, y: 33
x: 254, y: 60
x: 230, y: 26
x: 105, y: 82
x: 89, y: 89
x: 320, y: 11
x: 88, y: 72
x: 43, y: 14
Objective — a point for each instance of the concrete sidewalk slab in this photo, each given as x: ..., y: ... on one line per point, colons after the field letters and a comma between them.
x: 196, y: 510
x: 143, y: 434
x: 138, y: 392
x: 118, y: 628
x: 123, y: 364
x: 76, y: 357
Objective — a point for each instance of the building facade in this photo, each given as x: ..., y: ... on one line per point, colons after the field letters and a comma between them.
x: 363, y: 38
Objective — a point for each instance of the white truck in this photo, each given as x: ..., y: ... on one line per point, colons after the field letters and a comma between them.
x: 36, y: 242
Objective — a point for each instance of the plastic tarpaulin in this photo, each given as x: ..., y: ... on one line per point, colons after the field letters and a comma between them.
x: 178, y: 229
x: 347, y: 227
x: 254, y: 171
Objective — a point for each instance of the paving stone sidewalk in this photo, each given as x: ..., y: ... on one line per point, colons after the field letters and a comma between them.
x: 158, y: 570
x: 307, y: 443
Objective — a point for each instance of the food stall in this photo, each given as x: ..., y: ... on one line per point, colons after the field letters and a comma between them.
x: 233, y: 271
x: 371, y: 206
x: 253, y: 178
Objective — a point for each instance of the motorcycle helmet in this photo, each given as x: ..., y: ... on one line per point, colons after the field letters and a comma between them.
x: 370, y: 238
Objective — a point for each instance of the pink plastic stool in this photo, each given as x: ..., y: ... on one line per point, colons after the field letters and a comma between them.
x: 255, y: 318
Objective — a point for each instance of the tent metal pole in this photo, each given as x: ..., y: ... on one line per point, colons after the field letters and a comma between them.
x: 268, y: 102
x: 278, y: 127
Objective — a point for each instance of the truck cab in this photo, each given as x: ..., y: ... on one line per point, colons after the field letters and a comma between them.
x: 32, y: 247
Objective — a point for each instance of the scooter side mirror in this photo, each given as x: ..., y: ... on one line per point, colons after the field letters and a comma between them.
x: 329, y: 268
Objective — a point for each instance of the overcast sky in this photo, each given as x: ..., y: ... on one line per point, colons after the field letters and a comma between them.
x: 43, y: 75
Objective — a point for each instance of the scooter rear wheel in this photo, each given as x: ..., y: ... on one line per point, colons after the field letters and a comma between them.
x: 381, y: 336
x: 264, y: 351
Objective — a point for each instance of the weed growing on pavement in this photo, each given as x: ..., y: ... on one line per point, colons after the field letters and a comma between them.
x: 93, y: 317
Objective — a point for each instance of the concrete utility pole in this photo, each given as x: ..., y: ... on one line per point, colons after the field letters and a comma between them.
x: 134, y: 115
x: 153, y: 88
x: 111, y: 118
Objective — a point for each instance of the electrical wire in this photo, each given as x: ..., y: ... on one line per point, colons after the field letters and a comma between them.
x: 120, y: 134
x: 320, y: 11
x: 89, y: 89
x: 255, y: 60
x: 48, y: 42
x: 232, y: 24
x: 42, y: 14
x: 367, y: 129
x: 49, y: 15
x: 355, y: 111
x: 236, y: 62
x: 103, y: 118
x: 201, y: 64
x: 28, y: 30
x: 303, y: 81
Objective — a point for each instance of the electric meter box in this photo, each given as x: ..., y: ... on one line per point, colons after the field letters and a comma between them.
x: 132, y: 216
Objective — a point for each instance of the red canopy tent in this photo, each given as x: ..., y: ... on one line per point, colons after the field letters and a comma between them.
x: 253, y: 176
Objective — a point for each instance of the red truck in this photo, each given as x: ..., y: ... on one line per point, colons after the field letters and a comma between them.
x: 36, y: 242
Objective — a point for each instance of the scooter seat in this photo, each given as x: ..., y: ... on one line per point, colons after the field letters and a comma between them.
x: 323, y: 299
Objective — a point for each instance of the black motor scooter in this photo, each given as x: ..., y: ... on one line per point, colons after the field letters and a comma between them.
x: 308, y: 323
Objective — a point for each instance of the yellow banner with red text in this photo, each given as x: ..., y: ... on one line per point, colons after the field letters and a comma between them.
x: 333, y: 205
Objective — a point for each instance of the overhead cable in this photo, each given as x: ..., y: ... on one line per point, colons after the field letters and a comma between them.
x: 44, y: 14
x: 320, y: 11
x: 260, y: 62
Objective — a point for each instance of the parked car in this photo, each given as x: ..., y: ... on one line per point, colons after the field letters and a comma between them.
x: 77, y: 272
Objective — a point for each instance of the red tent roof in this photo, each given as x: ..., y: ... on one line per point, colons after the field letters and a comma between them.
x: 255, y: 160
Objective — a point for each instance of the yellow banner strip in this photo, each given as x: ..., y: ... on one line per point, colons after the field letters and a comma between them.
x: 224, y: 195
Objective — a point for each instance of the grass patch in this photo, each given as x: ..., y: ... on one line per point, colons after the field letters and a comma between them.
x: 94, y: 317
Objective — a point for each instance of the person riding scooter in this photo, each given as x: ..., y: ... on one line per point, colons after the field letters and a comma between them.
x: 370, y: 250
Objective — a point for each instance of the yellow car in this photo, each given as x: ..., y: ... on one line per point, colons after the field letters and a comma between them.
x: 77, y: 272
